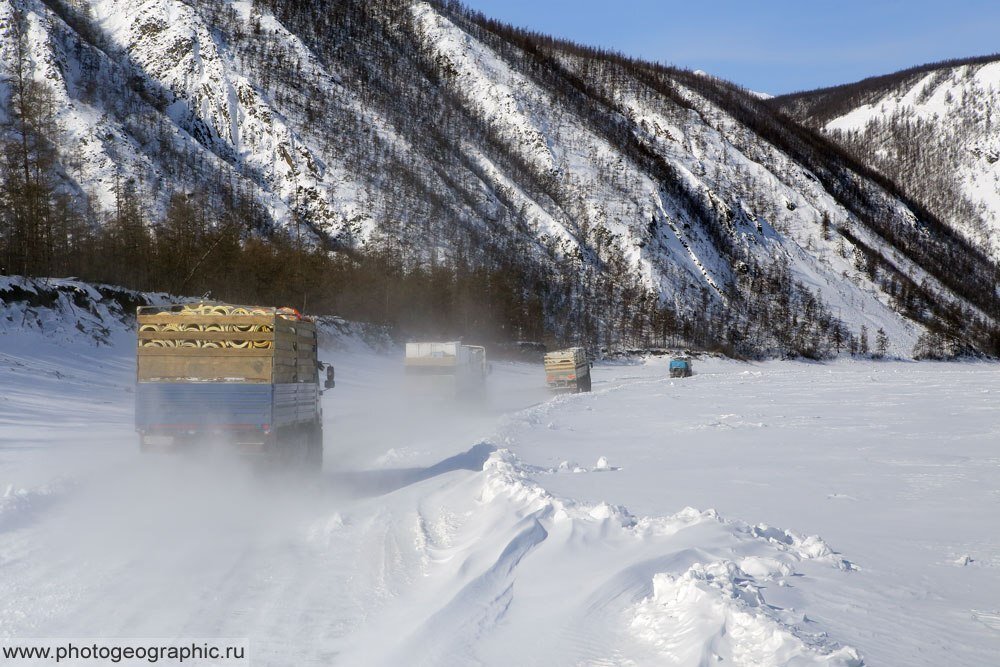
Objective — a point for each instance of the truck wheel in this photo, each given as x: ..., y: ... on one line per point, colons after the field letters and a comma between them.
x: 586, y: 383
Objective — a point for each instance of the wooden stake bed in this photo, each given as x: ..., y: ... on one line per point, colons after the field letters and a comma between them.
x: 227, y: 344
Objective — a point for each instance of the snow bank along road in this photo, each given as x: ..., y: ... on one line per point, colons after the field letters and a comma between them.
x: 525, y: 530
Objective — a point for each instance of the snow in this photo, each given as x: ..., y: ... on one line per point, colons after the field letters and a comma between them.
x: 740, y: 627
x: 845, y: 514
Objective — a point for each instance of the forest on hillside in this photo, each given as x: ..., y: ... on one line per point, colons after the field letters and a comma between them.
x: 928, y: 156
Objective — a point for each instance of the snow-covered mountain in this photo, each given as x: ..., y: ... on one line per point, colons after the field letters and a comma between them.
x: 437, y: 132
x: 932, y: 129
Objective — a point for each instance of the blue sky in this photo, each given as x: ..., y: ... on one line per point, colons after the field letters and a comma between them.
x: 772, y: 46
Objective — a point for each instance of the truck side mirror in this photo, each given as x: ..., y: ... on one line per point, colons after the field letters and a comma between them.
x: 329, y: 384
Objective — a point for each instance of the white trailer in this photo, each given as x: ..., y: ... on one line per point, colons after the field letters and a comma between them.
x: 451, y: 366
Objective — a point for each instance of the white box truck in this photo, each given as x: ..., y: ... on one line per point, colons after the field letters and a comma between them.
x: 450, y: 366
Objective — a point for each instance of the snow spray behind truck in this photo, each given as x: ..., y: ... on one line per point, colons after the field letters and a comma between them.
x: 568, y: 370
x: 450, y: 368
x: 240, y: 375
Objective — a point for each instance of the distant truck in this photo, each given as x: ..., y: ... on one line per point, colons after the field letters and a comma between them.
x: 680, y: 367
x: 243, y: 376
x: 568, y: 370
x: 450, y: 367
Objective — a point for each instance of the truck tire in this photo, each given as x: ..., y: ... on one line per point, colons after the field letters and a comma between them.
x: 585, y: 383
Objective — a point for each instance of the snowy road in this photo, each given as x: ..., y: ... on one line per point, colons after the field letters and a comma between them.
x: 490, y: 534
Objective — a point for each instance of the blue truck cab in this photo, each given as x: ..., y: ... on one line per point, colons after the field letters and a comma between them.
x: 243, y: 377
x: 680, y: 367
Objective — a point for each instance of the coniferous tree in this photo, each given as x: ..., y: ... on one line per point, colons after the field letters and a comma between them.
x: 881, y: 343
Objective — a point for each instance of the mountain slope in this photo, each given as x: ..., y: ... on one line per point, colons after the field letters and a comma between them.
x: 931, y: 128
x: 640, y: 198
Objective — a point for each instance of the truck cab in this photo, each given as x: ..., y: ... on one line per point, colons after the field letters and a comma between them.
x: 680, y: 367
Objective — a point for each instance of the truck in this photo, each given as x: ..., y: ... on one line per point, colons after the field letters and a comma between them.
x: 450, y: 367
x: 245, y: 377
x: 568, y: 370
x: 680, y: 367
